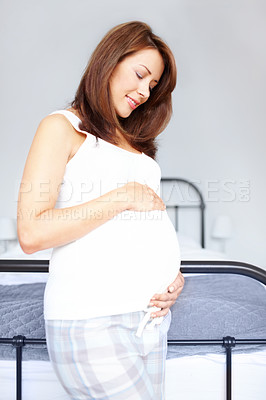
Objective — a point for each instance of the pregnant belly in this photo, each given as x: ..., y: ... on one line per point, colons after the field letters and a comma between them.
x: 126, y: 260
x: 136, y: 251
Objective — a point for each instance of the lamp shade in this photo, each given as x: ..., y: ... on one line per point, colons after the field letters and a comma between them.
x: 222, y: 227
x: 8, y: 229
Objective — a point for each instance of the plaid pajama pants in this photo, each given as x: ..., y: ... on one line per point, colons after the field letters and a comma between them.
x: 102, y: 358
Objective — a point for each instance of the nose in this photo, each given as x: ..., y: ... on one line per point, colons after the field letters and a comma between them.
x: 144, y: 90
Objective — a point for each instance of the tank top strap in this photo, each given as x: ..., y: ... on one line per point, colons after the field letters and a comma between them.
x: 73, y: 119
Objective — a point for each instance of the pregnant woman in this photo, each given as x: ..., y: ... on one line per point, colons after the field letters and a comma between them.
x: 91, y: 191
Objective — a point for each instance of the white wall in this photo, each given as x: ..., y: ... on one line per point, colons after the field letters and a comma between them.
x: 216, y: 136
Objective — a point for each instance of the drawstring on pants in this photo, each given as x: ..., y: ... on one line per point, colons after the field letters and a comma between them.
x: 143, y: 323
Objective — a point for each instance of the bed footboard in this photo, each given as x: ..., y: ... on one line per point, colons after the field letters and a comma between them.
x: 187, y: 267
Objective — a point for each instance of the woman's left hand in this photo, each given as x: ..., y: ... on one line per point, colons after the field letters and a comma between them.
x: 165, y: 300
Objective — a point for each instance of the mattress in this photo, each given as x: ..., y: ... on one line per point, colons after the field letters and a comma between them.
x: 187, y: 378
x: 209, y: 307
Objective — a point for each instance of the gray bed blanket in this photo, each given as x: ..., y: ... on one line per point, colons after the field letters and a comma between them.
x: 218, y: 305
x: 21, y: 313
x: 210, y: 307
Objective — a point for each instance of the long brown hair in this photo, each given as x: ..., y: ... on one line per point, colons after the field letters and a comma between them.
x: 93, y: 100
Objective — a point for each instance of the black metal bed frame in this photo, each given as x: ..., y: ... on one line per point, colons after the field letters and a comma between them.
x: 187, y: 267
x: 201, y: 206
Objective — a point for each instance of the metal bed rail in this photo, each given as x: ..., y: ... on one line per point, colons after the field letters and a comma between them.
x: 187, y: 267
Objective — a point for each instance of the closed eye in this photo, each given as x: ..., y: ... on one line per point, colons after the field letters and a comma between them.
x: 141, y: 77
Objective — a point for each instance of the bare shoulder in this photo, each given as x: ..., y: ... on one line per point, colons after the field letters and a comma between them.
x: 56, y: 124
x: 51, y: 146
x: 56, y: 130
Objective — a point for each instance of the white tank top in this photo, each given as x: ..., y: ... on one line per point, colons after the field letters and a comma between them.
x: 119, y: 266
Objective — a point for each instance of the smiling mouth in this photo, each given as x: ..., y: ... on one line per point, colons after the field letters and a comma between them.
x: 133, y: 104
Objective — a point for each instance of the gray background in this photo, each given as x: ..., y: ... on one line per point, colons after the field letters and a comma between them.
x: 216, y: 137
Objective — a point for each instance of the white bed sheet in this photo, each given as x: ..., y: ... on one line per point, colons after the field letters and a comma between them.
x: 192, y: 250
x: 187, y: 378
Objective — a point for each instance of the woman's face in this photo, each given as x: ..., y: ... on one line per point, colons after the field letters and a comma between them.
x: 133, y: 79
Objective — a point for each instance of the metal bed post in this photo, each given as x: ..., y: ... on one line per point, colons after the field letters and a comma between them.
x: 176, y: 215
x: 18, y: 343
x: 228, y: 343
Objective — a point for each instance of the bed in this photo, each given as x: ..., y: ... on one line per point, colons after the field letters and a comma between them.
x: 217, y: 338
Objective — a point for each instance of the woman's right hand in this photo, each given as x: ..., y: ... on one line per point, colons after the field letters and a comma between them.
x: 142, y: 198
